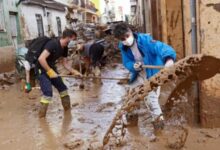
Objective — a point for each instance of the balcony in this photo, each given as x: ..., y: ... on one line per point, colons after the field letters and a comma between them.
x: 91, y: 7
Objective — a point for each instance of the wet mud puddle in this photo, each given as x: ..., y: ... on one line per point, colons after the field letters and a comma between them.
x: 84, y: 128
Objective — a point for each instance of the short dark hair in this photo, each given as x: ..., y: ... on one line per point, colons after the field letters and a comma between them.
x: 69, y: 33
x: 120, y: 29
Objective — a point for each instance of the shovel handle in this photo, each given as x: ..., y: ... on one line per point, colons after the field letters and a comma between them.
x: 152, y: 67
x: 87, y: 77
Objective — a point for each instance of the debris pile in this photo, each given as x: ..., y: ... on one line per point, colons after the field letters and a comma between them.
x: 182, y: 74
x: 6, y: 80
x: 74, y: 144
x: 102, y: 107
x: 85, y: 31
x: 178, y: 139
x: 93, y: 34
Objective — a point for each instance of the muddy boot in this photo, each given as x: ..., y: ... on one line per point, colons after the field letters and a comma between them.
x: 158, y: 125
x: 43, y: 110
x: 96, y: 71
x: 66, y: 102
x: 131, y: 119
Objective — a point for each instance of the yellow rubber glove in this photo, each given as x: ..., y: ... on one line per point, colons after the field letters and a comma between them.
x: 51, y: 73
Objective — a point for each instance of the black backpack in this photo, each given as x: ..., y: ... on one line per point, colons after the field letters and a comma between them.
x: 35, y: 48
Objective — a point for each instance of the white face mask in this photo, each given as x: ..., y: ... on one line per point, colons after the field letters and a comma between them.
x: 129, y: 41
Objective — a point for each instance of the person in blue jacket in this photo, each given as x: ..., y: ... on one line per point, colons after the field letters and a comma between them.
x: 139, y: 49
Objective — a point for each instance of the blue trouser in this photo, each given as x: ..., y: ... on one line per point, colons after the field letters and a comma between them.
x: 46, y: 87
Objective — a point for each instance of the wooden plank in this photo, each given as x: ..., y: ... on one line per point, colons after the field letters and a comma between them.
x: 198, y: 26
x: 155, y: 23
x: 175, y: 26
x: 163, y: 20
x: 187, y: 27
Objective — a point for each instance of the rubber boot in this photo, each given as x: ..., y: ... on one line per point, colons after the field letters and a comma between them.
x: 132, y: 118
x: 158, y: 125
x: 43, y: 110
x: 66, y: 102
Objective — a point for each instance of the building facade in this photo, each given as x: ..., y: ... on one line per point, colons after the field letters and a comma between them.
x: 10, y: 34
x: 114, y: 11
x: 191, y: 27
x: 84, y: 11
x: 40, y: 18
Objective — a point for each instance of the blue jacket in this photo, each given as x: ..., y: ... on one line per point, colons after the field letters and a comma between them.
x: 153, y: 52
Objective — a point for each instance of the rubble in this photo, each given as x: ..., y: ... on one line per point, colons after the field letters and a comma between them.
x: 85, y: 120
x: 95, y: 146
x: 178, y: 140
x: 75, y: 104
x: 182, y: 74
x: 6, y: 80
x: 104, y: 106
x: 210, y: 134
x: 74, y: 144
x: 91, y: 32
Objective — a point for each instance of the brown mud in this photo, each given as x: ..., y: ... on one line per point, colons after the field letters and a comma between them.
x: 85, y: 126
x: 7, y: 59
x: 6, y: 80
x: 184, y: 72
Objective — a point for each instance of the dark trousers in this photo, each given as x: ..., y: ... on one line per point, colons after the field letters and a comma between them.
x: 96, y: 52
x: 46, y: 85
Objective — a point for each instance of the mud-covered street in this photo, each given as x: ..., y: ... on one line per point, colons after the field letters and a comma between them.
x: 109, y: 75
x: 93, y: 109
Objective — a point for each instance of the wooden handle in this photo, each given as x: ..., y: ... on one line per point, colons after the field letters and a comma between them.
x: 87, y: 77
x: 153, y: 67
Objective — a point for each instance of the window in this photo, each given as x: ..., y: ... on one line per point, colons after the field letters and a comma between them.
x: 14, y: 28
x: 40, y: 26
x: 59, y: 28
x: 13, y: 24
x: 2, y: 21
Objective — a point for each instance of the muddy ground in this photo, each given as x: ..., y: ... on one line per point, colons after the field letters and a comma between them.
x: 92, y: 111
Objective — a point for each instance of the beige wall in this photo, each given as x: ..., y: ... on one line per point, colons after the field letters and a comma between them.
x: 177, y: 31
x: 7, y: 59
x: 174, y: 26
x: 209, y: 16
